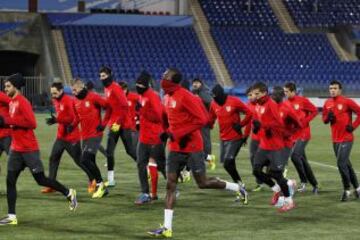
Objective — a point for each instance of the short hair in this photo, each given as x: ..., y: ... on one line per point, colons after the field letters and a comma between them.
x: 177, y: 76
x: 262, y: 87
x: 336, y: 82
x: 105, y: 69
x: 249, y: 90
x: 291, y: 86
x: 78, y: 81
x: 278, y: 90
x: 58, y: 85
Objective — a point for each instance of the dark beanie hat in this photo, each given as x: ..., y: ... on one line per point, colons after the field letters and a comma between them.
x: 218, y: 90
x: 144, y: 79
x: 17, y: 80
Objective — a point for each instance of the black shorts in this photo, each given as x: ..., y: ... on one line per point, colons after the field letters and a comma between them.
x: 286, y: 153
x: 146, y: 151
x: 18, y: 161
x: 274, y: 159
x: 229, y: 149
x: 91, y: 145
x: 176, y: 161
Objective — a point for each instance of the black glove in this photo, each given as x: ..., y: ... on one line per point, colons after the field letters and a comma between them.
x: 165, y: 136
x: 268, y: 133
x: 100, y: 128
x: 243, y: 141
x: 138, y: 106
x: 349, y: 128
x: 69, y: 129
x: 331, y: 117
x: 51, y: 120
x: 237, y: 128
x: 256, y: 126
x: 184, y: 141
x: 2, y: 122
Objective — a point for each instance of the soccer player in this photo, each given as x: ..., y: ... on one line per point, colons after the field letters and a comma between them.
x: 307, y: 112
x: 90, y: 87
x: 88, y: 107
x: 291, y: 120
x: 226, y: 109
x: 200, y: 90
x: 338, y: 111
x: 65, y: 116
x: 24, y: 148
x: 185, y: 144
x: 255, y: 140
x: 5, y: 133
x: 150, y: 145
x: 269, y: 125
x: 115, y: 119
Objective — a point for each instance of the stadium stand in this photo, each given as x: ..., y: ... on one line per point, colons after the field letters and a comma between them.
x: 155, y: 49
x: 239, y: 13
x: 263, y: 52
x: 324, y: 13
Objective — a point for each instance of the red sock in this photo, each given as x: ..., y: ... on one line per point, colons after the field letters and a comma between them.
x: 154, y: 178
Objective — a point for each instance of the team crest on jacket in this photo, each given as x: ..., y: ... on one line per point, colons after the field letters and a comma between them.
x: 228, y: 108
x: 87, y: 104
x: 129, y: 103
x: 172, y: 104
x: 262, y: 110
x: 340, y: 106
x: 108, y: 93
x: 61, y: 107
x: 281, y: 114
x: 296, y: 106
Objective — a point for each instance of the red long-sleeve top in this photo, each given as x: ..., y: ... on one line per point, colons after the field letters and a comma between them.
x: 291, y: 122
x: 65, y: 116
x: 88, y: 112
x: 4, y: 111
x: 343, y: 108
x: 151, y: 116
x: 117, y: 109
x: 22, y: 122
x: 132, y: 100
x: 185, y: 117
x: 306, y: 112
x: 267, y: 113
x: 248, y: 128
x: 228, y: 115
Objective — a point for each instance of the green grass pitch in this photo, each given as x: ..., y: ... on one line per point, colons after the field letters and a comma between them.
x: 205, y: 214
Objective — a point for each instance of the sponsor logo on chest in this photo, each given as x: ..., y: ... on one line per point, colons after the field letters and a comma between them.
x: 228, y: 108
x: 87, y: 104
x: 340, y: 106
x: 296, y: 106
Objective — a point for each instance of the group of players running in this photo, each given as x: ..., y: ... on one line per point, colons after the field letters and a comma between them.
x: 278, y: 124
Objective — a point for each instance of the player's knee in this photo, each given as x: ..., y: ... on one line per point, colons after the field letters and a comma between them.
x: 228, y: 164
x: 40, y: 178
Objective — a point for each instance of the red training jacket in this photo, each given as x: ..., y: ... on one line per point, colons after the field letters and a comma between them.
x: 227, y: 115
x: 150, y: 113
x: 291, y: 123
x: 132, y: 100
x: 306, y: 112
x: 268, y: 115
x: 65, y: 116
x: 185, y: 117
x: 343, y: 108
x: 88, y: 112
x: 117, y: 105
x: 22, y: 122
x: 248, y: 128
x: 4, y: 111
